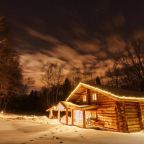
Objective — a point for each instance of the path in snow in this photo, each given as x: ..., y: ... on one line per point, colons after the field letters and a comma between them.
x: 13, y: 131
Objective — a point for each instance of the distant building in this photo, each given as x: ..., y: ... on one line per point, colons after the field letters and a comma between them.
x: 102, y: 108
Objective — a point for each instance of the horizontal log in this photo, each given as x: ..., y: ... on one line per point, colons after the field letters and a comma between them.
x: 131, y: 110
x: 106, y: 111
x: 131, y: 106
x: 137, y: 130
x: 108, y: 120
x: 134, y: 130
x: 106, y: 108
x: 133, y: 119
x: 110, y: 123
x: 142, y: 111
x: 107, y: 114
x: 111, y: 128
x: 133, y: 126
x: 106, y: 100
x: 130, y: 103
x: 107, y: 117
x: 107, y: 104
x: 142, y: 107
x: 131, y: 114
x: 133, y: 122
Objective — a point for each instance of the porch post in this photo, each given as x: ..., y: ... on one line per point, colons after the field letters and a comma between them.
x: 84, y: 119
x: 72, y: 116
x: 66, y: 116
x: 59, y: 116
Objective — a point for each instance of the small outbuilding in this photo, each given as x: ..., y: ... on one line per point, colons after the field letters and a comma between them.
x: 102, y: 108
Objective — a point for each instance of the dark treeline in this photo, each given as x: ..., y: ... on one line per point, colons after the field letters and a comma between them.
x: 39, y: 101
x: 10, y: 71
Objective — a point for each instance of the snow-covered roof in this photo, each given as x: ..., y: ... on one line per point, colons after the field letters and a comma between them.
x: 75, y: 106
x: 117, y: 94
x: 70, y: 105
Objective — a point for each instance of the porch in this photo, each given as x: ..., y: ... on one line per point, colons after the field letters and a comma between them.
x: 71, y: 114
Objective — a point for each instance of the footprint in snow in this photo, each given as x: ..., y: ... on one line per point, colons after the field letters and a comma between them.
x: 53, y: 137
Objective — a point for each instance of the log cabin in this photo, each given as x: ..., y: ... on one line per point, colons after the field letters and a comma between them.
x: 102, y: 108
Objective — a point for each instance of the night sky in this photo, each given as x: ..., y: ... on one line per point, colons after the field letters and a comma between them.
x: 72, y: 33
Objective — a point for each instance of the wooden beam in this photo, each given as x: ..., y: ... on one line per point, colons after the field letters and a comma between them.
x: 66, y: 116
x: 88, y: 96
x: 82, y: 93
x: 84, y: 119
x: 72, y: 116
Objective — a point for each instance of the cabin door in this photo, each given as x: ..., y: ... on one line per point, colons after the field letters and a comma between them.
x: 78, y: 117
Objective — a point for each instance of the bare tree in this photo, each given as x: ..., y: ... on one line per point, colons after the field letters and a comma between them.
x: 88, y: 72
x: 52, y: 78
x: 75, y: 76
x: 129, y: 68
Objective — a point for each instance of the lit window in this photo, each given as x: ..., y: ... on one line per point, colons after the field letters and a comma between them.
x: 94, y: 97
x: 84, y: 98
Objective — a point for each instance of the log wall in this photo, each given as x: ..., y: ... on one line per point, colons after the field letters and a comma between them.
x: 133, y: 116
x: 111, y: 114
x: 106, y: 113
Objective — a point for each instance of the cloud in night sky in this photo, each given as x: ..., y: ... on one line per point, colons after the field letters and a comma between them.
x: 91, y: 52
x: 71, y: 33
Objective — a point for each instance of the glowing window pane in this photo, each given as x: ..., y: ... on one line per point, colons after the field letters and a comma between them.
x: 94, y: 97
x: 84, y: 98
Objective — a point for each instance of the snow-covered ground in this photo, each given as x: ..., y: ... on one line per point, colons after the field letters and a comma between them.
x: 15, y: 129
